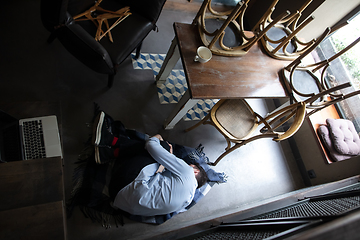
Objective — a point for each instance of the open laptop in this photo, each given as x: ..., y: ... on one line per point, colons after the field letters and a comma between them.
x: 29, y: 138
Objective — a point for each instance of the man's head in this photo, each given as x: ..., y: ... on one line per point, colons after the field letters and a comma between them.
x: 200, y: 174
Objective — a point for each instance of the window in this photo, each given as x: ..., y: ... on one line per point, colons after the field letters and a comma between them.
x: 345, y: 68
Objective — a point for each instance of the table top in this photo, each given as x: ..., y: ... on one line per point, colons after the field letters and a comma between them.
x: 33, y: 199
x: 254, y: 75
x: 31, y: 182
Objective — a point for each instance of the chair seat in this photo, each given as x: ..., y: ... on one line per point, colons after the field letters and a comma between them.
x: 236, y: 118
x: 305, y: 83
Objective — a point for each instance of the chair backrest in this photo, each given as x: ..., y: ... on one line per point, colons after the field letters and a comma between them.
x: 242, y: 40
x: 290, y: 117
x: 298, y: 111
x: 276, y: 47
x: 297, y: 61
x: 330, y: 100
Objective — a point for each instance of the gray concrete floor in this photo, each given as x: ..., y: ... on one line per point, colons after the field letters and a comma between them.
x: 33, y: 70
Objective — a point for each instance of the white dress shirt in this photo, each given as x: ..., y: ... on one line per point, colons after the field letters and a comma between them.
x: 157, y: 193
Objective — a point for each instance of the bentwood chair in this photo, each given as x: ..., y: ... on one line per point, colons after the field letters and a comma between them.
x: 223, y: 32
x: 327, y: 98
x: 82, y: 28
x: 310, y: 82
x: 281, y: 41
x: 239, y: 124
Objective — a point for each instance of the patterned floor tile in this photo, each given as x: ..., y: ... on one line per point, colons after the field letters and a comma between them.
x: 174, y: 87
x: 200, y: 110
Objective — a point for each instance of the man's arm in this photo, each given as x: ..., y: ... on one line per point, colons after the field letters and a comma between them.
x: 163, y: 157
x: 158, y: 136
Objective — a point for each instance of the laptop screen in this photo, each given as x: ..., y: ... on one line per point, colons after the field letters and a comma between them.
x: 10, y: 148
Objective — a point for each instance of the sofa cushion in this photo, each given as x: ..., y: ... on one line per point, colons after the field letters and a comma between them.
x: 344, y: 136
x: 324, y: 135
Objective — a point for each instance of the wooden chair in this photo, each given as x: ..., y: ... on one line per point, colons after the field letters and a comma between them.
x: 278, y: 46
x: 313, y: 75
x: 237, y: 122
x: 229, y: 21
x: 327, y: 98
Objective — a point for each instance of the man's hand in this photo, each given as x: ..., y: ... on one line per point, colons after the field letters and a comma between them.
x: 171, y: 148
x: 160, y: 169
x: 158, y: 136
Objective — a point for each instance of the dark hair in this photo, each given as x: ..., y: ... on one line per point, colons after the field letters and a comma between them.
x: 201, y: 177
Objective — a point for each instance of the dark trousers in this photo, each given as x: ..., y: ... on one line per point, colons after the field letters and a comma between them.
x: 133, y: 157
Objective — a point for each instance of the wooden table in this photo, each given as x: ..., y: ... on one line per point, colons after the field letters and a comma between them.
x: 32, y: 199
x: 254, y: 75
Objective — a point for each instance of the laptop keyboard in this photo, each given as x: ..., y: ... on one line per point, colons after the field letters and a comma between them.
x: 33, y: 140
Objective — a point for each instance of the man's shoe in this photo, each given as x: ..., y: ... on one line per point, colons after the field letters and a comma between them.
x: 109, y: 123
x: 103, y: 154
x: 101, y: 133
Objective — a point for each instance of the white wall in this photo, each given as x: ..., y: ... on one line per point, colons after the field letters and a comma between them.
x: 326, y: 15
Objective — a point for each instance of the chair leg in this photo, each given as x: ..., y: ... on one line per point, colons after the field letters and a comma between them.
x: 218, y: 159
x: 138, y: 49
x: 221, y: 157
x: 236, y: 146
x: 228, y: 144
x: 198, y: 124
x: 111, y: 80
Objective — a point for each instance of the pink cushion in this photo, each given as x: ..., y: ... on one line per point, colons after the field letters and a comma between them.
x: 344, y: 136
x: 324, y: 135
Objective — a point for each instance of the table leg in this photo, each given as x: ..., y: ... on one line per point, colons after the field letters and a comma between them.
x: 172, y: 57
x: 181, y: 108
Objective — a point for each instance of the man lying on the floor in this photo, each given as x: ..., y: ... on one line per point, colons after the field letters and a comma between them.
x: 140, y: 185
